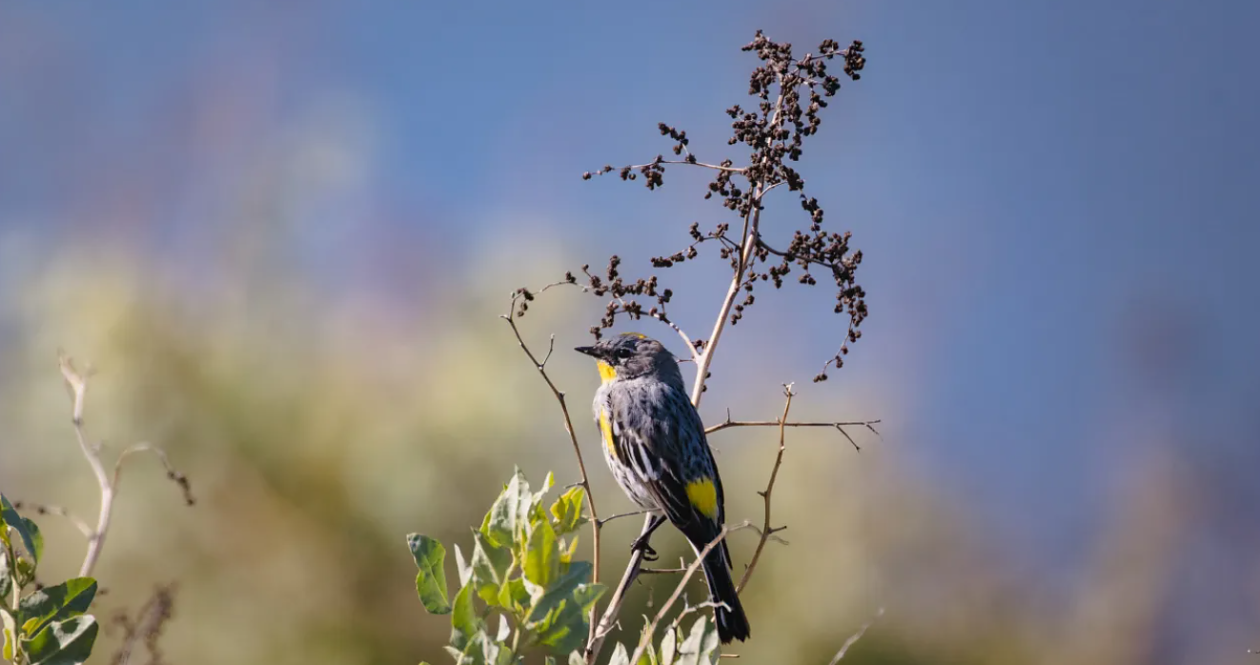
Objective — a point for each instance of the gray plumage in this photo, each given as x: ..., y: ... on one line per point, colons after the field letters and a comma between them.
x: 654, y: 444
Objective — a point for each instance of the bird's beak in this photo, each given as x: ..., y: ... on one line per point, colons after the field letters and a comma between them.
x: 588, y: 350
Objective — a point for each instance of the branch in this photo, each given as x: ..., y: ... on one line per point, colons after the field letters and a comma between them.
x: 49, y: 509
x: 600, y: 630
x: 646, y: 638
x: 855, y: 637
x: 839, y: 426
x: 76, y: 382
x: 510, y: 317
x: 748, y: 246
x: 766, y: 529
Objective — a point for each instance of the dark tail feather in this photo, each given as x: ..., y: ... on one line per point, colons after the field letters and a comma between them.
x: 731, y: 621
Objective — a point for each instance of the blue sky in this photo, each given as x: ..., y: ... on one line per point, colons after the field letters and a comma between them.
x: 1056, y: 200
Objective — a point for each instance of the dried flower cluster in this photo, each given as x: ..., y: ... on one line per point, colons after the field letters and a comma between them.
x: 790, y: 95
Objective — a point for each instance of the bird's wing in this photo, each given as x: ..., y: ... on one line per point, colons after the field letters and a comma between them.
x: 673, y: 461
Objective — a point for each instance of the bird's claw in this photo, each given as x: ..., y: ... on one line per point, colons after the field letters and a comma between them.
x: 641, y: 545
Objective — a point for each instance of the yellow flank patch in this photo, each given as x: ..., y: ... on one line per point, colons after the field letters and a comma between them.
x: 606, y: 372
x: 703, y: 496
x: 634, y: 335
x: 605, y: 428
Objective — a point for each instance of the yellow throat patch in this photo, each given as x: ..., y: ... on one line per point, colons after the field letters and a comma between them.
x: 606, y: 372
x: 703, y: 497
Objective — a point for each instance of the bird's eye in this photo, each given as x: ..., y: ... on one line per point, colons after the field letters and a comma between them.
x: 623, y: 353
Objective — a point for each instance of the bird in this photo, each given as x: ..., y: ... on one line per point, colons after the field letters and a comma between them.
x: 655, y: 447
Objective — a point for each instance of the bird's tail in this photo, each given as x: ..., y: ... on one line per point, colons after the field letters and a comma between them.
x: 732, y: 623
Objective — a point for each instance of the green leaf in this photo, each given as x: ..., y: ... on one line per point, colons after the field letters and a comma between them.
x: 669, y: 646
x: 505, y: 524
x: 6, y: 576
x: 66, y: 642
x: 431, y: 578
x: 10, y: 635
x: 542, y: 555
x: 490, y: 562
x: 576, y: 658
x: 567, y: 510
x: 22, y: 527
x: 619, y: 655
x: 37, y: 538
x: 701, y: 645
x: 513, y: 595
x: 465, y: 570
x: 464, y: 620
x: 56, y: 603
x: 564, y: 625
x: 549, y: 661
x: 552, y: 596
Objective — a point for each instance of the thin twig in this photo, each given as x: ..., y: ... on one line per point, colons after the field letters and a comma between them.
x: 76, y: 382
x: 680, y: 162
x: 510, y: 317
x: 855, y: 637
x: 49, y: 509
x: 606, y: 520
x: 767, y: 530
x: 608, y: 620
x: 838, y: 425
x: 646, y: 638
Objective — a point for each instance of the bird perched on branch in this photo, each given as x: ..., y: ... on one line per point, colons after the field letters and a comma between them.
x: 655, y: 446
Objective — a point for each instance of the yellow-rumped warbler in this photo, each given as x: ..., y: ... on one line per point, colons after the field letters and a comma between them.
x: 655, y: 446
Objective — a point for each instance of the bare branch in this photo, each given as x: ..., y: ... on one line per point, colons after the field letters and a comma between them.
x: 767, y: 531
x: 855, y: 637
x: 606, y: 520
x: 608, y: 620
x: 650, y: 630
x: 76, y: 382
x: 838, y: 425
x: 510, y: 317
x: 48, y: 509
x: 680, y: 162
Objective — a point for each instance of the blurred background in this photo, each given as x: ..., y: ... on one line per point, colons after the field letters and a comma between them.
x: 283, y: 234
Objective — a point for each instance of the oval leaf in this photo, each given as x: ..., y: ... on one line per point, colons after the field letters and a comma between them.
x: 542, y: 555
x: 56, y: 603
x: 14, y: 521
x: 64, y: 643
x: 431, y: 578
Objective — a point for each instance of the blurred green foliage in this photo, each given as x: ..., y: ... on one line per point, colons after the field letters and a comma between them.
x: 43, y: 625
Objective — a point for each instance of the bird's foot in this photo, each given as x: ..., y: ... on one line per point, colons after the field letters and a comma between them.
x: 641, y: 544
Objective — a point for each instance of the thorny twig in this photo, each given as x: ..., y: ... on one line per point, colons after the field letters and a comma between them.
x: 510, y: 317
x: 766, y: 529
x: 76, y: 382
x: 855, y: 637
x: 839, y: 426
x: 650, y: 630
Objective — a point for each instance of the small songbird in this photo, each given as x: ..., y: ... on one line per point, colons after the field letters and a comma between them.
x: 655, y: 446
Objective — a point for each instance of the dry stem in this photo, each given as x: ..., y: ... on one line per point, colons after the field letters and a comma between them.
x: 766, y: 529
x: 855, y: 637
x: 76, y: 382
x: 839, y: 426
x: 646, y: 638
x: 510, y: 317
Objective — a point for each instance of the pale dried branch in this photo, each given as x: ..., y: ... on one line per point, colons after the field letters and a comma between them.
x: 767, y: 530
x: 48, y: 509
x: 510, y: 317
x: 649, y: 632
x: 76, y: 383
x: 855, y: 637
